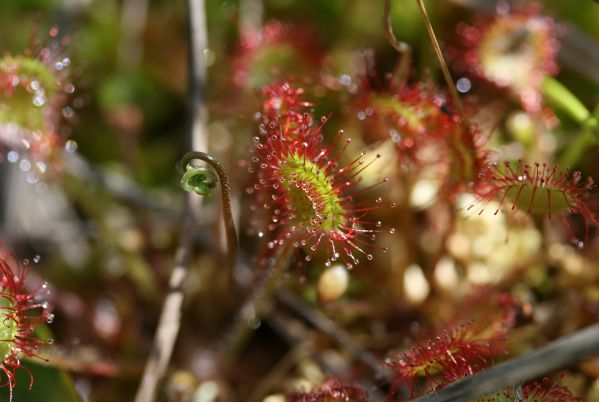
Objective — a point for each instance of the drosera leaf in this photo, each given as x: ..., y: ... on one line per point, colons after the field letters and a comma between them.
x: 538, y: 189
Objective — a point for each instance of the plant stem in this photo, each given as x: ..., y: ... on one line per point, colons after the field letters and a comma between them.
x: 402, y: 47
x: 560, y: 97
x: 452, y: 89
x: 577, y: 148
x: 170, y: 317
x: 225, y: 186
x: 255, y: 306
x: 588, y: 136
x: 554, y: 356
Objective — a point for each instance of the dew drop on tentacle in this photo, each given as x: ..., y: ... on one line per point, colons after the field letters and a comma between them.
x: 50, y: 318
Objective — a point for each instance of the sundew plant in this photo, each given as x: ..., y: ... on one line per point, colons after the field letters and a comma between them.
x: 299, y: 201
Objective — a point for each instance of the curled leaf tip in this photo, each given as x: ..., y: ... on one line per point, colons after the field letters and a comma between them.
x: 199, y: 179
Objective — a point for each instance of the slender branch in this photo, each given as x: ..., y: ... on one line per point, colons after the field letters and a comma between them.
x: 554, y: 356
x: 170, y: 317
x: 226, y: 201
x: 431, y: 33
x: 402, y: 47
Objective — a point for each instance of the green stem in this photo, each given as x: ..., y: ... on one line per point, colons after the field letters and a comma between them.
x: 589, y: 135
x: 560, y: 97
x: 256, y: 305
x: 577, y: 148
x: 226, y: 200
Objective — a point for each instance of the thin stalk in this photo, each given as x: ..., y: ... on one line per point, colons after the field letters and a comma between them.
x: 170, y: 317
x: 577, y: 148
x: 225, y: 187
x: 560, y: 97
x: 256, y: 305
x: 402, y: 47
x: 588, y: 136
x: 554, y: 356
x: 431, y: 33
